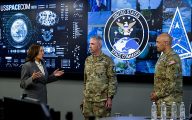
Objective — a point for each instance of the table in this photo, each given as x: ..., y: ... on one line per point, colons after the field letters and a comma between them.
x: 126, y: 118
x: 132, y: 118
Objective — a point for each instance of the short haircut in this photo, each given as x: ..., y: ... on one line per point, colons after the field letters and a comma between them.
x: 166, y: 37
x: 97, y: 37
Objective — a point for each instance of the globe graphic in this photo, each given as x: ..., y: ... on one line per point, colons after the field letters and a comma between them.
x: 126, y: 45
x: 19, y: 30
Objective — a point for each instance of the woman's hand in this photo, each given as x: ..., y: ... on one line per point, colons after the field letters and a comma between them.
x: 36, y: 75
x: 58, y: 72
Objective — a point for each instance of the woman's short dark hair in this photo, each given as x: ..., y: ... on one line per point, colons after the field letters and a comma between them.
x: 32, y: 52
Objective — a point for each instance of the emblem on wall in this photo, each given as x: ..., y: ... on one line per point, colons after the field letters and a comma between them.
x: 126, y: 34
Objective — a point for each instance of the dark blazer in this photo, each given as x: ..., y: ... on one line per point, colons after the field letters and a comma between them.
x: 35, y: 89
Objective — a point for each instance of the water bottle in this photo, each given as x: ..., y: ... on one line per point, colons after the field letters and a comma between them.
x: 182, y: 111
x: 174, y: 111
x: 163, y: 111
x: 154, y: 111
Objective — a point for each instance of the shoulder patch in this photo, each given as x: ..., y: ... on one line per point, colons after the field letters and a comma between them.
x: 171, y: 62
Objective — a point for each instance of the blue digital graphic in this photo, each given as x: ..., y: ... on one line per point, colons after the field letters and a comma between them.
x: 120, y: 4
x: 123, y: 38
x: 47, y: 18
x: 180, y: 44
x: 60, y: 27
x: 126, y: 45
x: 19, y: 30
x: 47, y: 34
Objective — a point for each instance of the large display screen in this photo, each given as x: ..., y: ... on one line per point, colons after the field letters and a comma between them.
x: 59, y: 26
x: 129, y: 29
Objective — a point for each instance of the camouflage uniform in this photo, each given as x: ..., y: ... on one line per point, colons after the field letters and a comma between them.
x: 168, y: 80
x: 100, y: 83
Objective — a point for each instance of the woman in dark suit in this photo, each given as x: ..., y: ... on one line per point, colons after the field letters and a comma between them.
x: 34, y: 75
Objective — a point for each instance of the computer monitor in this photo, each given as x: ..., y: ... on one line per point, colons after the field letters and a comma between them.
x: 25, y: 110
x: 190, y: 111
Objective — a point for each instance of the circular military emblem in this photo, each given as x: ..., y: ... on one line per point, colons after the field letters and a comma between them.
x: 126, y: 34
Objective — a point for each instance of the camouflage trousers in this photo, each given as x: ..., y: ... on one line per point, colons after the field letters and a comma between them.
x: 96, y: 109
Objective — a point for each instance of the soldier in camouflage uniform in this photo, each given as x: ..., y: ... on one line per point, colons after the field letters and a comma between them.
x: 100, y: 82
x: 168, y: 75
